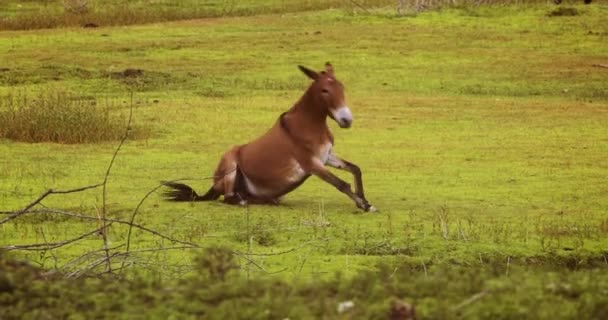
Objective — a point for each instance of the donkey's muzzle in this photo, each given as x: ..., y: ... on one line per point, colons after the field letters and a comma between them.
x: 345, y: 122
x: 343, y: 117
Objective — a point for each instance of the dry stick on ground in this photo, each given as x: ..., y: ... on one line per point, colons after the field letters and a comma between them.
x: 108, y: 223
x: 78, y: 261
x: 41, y: 230
x: 52, y: 245
x: 49, y: 192
x: 305, y: 244
x: 141, y: 202
x: 236, y: 253
x: 104, y: 232
x: 97, y: 263
x: 131, y: 225
x: 470, y: 300
x: 190, y: 245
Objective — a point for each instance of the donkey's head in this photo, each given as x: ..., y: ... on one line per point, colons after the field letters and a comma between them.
x: 328, y: 94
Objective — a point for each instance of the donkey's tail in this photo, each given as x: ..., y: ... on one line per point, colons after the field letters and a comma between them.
x: 182, y: 192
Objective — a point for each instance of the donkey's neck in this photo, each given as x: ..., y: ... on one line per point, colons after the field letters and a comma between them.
x: 309, y: 109
x: 307, y: 119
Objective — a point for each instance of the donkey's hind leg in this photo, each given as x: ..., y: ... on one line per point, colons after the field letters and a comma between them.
x: 228, y: 178
x: 231, y: 193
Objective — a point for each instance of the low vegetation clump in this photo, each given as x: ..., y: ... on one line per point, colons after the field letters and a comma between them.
x: 58, y: 117
x: 563, y: 12
x: 216, y: 290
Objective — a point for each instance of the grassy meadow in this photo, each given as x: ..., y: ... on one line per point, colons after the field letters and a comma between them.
x: 480, y: 130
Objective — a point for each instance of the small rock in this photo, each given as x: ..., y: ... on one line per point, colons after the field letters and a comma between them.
x: 345, y: 306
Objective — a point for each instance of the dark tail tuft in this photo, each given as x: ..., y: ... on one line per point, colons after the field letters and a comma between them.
x: 181, y: 192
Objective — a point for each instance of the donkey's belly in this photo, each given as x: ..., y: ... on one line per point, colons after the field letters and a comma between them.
x: 276, y: 183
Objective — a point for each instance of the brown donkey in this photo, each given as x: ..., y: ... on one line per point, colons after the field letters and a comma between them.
x: 297, y: 146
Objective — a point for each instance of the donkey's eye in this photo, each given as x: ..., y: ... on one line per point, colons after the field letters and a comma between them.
x: 325, y: 91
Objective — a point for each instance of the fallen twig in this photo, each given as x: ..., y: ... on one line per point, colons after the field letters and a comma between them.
x: 52, y: 245
x: 49, y: 192
x: 105, y: 183
x: 136, y: 210
x: 470, y: 300
x: 79, y: 259
x: 137, y: 226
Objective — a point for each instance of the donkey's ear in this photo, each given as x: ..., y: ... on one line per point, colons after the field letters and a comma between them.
x: 329, y: 68
x: 311, y: 74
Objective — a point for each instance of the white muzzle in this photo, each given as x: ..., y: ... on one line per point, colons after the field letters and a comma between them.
x: 343, y: 116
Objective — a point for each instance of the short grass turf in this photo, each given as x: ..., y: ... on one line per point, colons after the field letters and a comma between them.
x: 481, y: 133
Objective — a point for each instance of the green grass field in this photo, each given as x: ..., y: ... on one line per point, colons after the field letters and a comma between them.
x: 481, y: 133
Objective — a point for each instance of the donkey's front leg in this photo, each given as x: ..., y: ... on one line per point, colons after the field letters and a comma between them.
x: 322, y: 172
x: 335, y: 162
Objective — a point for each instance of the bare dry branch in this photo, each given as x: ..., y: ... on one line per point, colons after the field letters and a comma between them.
x: 52, y: 245
x: 470, y: 300
x: 16, y: 214
x: 275, y: 253
x: 104, y: 233
x: 134, y: 225
x: 78, y: 260
x: 135, y: 211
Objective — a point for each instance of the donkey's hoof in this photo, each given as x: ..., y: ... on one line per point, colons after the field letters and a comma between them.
x: 367, y: 207
x: 242, y: 203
